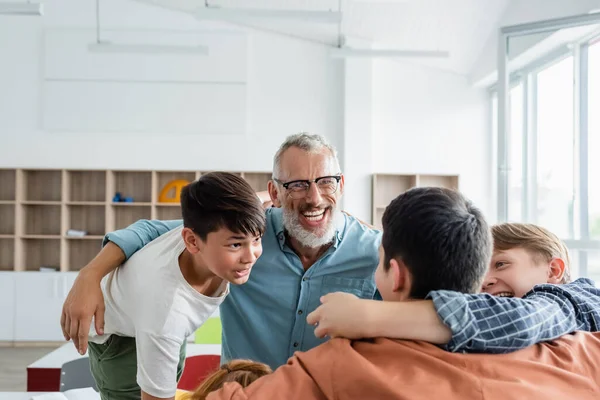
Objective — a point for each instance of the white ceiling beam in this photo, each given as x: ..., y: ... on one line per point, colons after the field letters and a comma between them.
x: 216, y: 13
x: 375, y: 53
x: 125, y: 48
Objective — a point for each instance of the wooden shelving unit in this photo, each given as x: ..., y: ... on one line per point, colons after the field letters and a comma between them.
x: 38, y: 207
x: 387, y: 187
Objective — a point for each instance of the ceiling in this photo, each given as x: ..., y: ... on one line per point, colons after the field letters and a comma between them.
x: 461, y: 27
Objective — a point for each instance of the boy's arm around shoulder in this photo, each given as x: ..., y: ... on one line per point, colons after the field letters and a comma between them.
x: 485, y: 323
x: 139, y: 234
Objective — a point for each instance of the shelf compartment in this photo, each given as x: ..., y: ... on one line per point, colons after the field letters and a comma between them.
x: 86, y: 186
x: 8, y: 181
x: 136, y: 184
x: 7, y: 254
x: 41, y: 253
x: 81, y: 252
x: 445, y: 181
x: 164, y: 177
x: 258, y: 180
x: 42, y: 185
x: 87, y: 218
x: 125, y: 216
x: 168, y: 212
x: 388, y: 187
x: 42, y: 219
x: 7, y: 219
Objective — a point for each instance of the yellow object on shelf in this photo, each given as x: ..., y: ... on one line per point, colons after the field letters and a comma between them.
x: 171, y: 192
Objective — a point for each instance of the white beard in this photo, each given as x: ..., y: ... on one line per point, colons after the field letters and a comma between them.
x: 310, y: 239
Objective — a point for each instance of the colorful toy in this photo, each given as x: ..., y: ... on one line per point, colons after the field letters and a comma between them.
x: 171, y: 192
x: 120, y: 199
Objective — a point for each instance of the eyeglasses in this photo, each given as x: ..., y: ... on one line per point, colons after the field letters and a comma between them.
x: 298, y: 189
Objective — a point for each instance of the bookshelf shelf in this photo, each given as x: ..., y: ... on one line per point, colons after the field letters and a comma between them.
x: 387, y: 187
x: 7, y: 219
x: 42, y: 185
x: 87, y: 237
x: 39, y: 206
x: 7, y: 252
x: 8, y: 179
x: 85, y: 203
x: 134, y: 204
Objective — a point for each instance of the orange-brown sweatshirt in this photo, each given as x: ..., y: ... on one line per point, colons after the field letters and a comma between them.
x: 567, y: 368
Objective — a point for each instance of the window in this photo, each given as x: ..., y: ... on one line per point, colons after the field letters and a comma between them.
x: 555, y: 148
x: 515, y: 140
x: 554, y: 105
x: 594, y: 140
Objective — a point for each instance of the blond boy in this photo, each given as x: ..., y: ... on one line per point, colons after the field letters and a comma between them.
x: 526, y: 298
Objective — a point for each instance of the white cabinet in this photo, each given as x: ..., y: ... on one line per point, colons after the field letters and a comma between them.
x: 38, y: 301
x: 7, y: 306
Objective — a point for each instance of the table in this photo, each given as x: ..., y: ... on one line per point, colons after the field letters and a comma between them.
x: 18, y: 395
x: 43, y: 375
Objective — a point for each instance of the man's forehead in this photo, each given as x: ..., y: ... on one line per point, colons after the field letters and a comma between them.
x: 304, y: 165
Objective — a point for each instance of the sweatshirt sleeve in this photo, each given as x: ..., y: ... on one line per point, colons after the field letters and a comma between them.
x: 291, y: 382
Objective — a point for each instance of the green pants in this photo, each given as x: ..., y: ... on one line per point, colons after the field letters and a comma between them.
x: 114, y: 367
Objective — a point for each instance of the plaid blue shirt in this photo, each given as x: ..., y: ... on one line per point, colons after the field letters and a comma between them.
x: 485, y: 323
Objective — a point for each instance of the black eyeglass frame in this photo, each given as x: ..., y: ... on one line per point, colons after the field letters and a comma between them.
x: 286, y: 185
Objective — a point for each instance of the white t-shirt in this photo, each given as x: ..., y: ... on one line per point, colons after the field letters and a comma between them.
x: 149, y: 299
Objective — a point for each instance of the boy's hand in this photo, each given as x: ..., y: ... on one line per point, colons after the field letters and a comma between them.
x: 84, y: 301
x: 341, y: 315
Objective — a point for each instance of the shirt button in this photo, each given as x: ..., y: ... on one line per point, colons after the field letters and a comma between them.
x: 305, y: 279
x: 299, y: 312
x: 295, y: 344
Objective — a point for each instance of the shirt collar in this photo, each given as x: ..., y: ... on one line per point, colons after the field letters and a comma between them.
x: 277, y: 214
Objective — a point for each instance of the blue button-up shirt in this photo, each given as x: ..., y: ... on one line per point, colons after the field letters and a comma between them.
x: 265, y: 318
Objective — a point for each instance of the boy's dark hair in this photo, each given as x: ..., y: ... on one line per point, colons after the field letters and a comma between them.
x: 443, y: 240
x: 222, y: 199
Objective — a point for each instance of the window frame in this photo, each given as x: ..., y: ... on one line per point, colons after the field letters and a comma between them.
x: 581, y: 243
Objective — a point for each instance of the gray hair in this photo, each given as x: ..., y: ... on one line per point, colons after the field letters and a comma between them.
x: 307, y: 142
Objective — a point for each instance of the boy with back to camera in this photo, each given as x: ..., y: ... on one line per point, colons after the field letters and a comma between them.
x: 186, y: 275
x: 422, y: 230
x: 527, y: 297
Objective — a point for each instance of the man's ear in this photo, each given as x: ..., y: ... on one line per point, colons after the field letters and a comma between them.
x: 272, y: 187
x: 556, y: 270
x: 402, y: 281
x: 193, y: 244
x: 341, y: 188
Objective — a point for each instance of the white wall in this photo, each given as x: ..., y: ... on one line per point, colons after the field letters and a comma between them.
x: 429, y: 121
x: 358, y: 137
x: 290, y: 86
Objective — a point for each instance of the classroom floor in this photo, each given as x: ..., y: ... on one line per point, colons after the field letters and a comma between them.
x: 13, y: 366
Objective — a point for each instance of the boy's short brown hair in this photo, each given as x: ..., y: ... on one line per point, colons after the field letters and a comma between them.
x: 542, y: 244
x: 222, y: 200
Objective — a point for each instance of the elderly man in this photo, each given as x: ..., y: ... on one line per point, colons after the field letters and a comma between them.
x: 310, y: 248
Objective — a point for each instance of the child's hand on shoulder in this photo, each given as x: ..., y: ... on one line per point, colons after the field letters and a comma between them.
x: 341, y: 315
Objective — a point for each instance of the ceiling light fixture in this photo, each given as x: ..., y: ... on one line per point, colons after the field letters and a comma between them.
x: 21, y: 8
